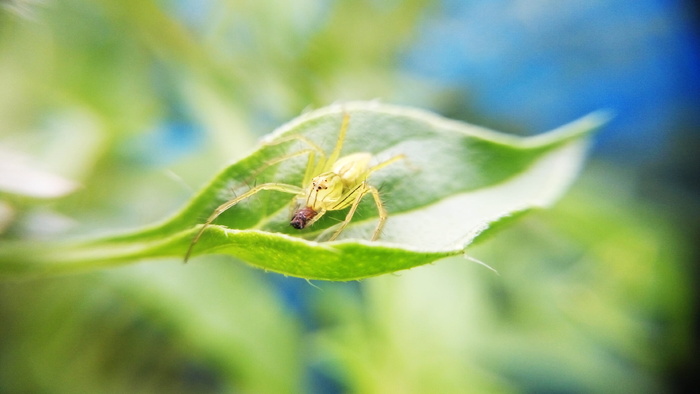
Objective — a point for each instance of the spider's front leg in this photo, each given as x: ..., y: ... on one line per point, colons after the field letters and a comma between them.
x: 362, y: 190
x: 313, y: 151
x: 351, y: 199
x: 281, y: 187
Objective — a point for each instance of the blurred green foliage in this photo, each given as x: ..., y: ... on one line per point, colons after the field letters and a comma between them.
x: 592, y: 295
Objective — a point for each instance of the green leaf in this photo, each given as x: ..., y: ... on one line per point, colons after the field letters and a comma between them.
x: 457, y: 183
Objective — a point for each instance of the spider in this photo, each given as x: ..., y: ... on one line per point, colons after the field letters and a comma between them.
x: 330, y: 183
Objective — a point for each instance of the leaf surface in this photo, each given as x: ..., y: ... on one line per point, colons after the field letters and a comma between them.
x: 458, y: 182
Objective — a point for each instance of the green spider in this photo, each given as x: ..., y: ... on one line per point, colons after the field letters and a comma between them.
x: 331, y: 183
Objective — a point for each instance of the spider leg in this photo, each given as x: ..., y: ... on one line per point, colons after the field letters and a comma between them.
x: 294, y: 137
x: 355, y: 195
x: 335, y: 154
x: 281, y: 187
x: 309, y: 151
x: 360, y: 193
x: 315, y: 165
x: 385, y: 163
x: 382, y: 212
x: 313, y: 150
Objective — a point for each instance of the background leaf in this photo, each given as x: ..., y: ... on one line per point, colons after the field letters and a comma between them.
x: 143, y: 102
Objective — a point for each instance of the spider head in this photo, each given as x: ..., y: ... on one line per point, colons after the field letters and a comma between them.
x: 325, y: 190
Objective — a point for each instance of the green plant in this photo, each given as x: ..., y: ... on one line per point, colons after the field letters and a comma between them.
x: 459, y: 182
